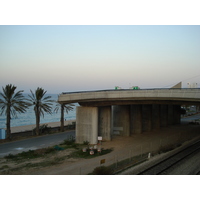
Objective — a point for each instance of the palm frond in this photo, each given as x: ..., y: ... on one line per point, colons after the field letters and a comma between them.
x: 15, y: 101
x: 3, y: 108
x: 2, y: 95
x: 67, y: 107
x: 40, y: 102
x: 57, y: 108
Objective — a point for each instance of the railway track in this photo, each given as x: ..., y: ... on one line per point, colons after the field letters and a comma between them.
x: 164, y: 166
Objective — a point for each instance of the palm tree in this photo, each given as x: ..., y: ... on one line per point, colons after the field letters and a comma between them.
x: 11, y: 104
x: 41, y: 105
x: 63, y: 108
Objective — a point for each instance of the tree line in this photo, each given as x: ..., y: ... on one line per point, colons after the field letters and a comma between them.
x: 12, y: 103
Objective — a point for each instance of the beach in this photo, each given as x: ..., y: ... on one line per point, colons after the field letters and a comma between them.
x: 19, y: 129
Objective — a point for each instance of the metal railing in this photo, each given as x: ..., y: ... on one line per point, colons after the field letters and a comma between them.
x: 132, y: 156
x: 111, y: 90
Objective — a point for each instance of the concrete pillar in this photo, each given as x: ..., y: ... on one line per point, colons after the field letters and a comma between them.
x: 146, y: 118
x: 156, y: 116
x: 121, y: 120
x: 176, y: 114
x: 136, y: 119
x: 163, y: 115
x: 170, y: 114
x: 105, y: 122
x: 86, y: 124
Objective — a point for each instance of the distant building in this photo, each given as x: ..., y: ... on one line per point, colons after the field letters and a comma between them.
x: 192, y: 85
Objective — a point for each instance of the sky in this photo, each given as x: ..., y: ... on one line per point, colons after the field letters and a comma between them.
x: 96, y: 57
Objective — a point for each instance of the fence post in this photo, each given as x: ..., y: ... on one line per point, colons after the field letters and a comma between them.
x: 116, y: 161
x: 166, y: 140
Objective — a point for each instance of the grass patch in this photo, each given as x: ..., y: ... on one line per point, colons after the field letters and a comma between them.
x: 4, y: 167
x: 55, y: 161
x: 31, y: 154
x: 6, y: 170
x: 70, y: 143
x: 81, y: 154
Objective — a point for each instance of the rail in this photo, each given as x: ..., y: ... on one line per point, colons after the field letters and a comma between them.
x: 166, y: 164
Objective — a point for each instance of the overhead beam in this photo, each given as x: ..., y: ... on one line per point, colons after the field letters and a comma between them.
x: 136, y: 102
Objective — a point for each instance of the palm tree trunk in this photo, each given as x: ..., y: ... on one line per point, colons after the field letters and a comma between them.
x: 37, y: 116
x: 8, y: 131
x: 62, y: 118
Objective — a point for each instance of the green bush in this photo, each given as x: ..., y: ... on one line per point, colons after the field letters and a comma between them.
x: 68, y: 142
x: 86, y: 143
x: 10, y: 156
x: 43, y: 129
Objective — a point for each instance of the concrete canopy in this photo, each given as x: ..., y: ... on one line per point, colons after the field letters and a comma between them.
x: 125, y: 97
x: 127, y: 112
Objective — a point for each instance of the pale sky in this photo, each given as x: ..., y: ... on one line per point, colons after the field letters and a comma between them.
x: 75, y: 58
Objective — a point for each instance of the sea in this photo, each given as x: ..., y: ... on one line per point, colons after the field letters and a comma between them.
x: 28, y: 118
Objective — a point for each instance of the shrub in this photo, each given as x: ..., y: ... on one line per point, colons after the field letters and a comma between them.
x: 43, y: 129
x: 10, y: 156
x: 68, y: 142
x: 86, y: 143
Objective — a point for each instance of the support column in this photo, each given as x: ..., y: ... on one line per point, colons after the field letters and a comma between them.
x: 170, y: 114
x: 146, y: 118
x: 163, y: 115
x: 156, y: 116
x: 86, y: 124
x: 136, y: 119
x: 121, y: 120
x: 105, y: 122
x: 177, y: 114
